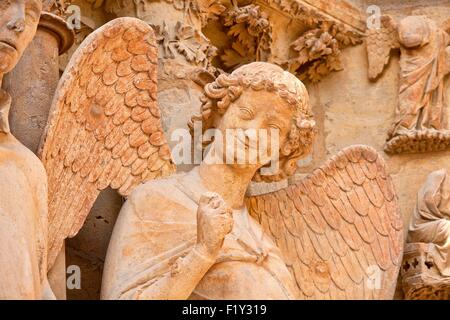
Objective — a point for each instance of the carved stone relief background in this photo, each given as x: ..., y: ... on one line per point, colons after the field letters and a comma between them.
x: 324, y: 48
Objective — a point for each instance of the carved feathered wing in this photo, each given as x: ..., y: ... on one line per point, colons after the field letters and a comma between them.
x: 104, y: 127
x: 380, y: 42
x: 339, y: 229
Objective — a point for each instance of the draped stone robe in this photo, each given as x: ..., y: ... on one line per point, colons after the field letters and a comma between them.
x: 23, y: 217
x: 431, y: 219
x: 422, y: 97
x: 157, y: 226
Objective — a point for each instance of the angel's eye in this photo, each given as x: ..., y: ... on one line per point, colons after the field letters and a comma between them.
x: 246, y: 113
x: 274, y: 126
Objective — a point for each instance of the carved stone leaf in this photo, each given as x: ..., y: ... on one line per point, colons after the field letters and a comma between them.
x: 184, y: 48
x: 216, y: 9
x: 213, y: 8
x: 235, y: 56
x: 184, y: 31
x: 243, y: 36
x: 250, y: 32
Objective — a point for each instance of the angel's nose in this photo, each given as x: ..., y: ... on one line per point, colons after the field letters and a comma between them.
x: 17, y: 25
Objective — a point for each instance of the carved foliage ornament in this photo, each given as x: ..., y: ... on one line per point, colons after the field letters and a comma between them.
x: 318, y: 51
x: 186, y: 41
x: 206, y: 9
x: 184, y: 38
x: 250, y: 34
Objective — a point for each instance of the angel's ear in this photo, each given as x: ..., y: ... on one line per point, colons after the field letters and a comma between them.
x: 298, y: 146
x: 307, y: 132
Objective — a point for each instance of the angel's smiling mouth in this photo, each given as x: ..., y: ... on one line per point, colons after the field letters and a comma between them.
x: 8, y: 43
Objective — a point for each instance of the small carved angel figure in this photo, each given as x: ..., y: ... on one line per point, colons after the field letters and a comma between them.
x: 431, y: 219
x: 335, y: 235
x: 23, y: 181
x: 421, y: 116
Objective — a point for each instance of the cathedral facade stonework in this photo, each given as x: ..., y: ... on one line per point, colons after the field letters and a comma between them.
x: 136, y: 139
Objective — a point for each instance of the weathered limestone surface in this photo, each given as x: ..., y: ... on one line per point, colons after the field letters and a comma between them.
x: 33, y: 81
x: 23, y: 183
x: 196, y: 236
x: 349, y: 108
x: 321, y: 42
x: 357, y: 110
x: 88, y: 249
x: 31, y: 94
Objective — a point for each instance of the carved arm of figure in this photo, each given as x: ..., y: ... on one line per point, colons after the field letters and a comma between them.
x: 214, y: 222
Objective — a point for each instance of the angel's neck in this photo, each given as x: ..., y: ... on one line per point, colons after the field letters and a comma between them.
x: 5, y: 104
x: 229, y: 182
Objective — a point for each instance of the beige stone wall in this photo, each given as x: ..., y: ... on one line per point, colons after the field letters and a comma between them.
x: 88, y: 249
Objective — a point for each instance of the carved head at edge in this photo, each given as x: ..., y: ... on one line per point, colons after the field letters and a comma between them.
x: 415, y: 31
x: 18, y: 24
x: 261, y: 95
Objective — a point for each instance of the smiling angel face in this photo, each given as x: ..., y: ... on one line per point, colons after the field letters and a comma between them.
x: 18, y: 24
x: 260, y: 97
x: 250, y: 119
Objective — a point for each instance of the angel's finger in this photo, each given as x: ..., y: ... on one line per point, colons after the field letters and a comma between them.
x: 217, y: 202
x: 206, y: 198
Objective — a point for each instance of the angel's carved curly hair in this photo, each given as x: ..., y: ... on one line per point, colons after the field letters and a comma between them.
x: 258, y: 76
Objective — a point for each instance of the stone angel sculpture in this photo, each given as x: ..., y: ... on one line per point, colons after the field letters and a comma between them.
x: 421, y: 116
x: 104, y: 127
x: 426, y: 264
x: 23, y: 180
x: 337, y: 234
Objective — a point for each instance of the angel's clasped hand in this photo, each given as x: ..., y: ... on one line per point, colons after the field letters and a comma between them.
x: 214, y: 222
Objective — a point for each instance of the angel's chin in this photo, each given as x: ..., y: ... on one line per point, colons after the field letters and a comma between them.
x: 8, y: 59
x: 411, y: 42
